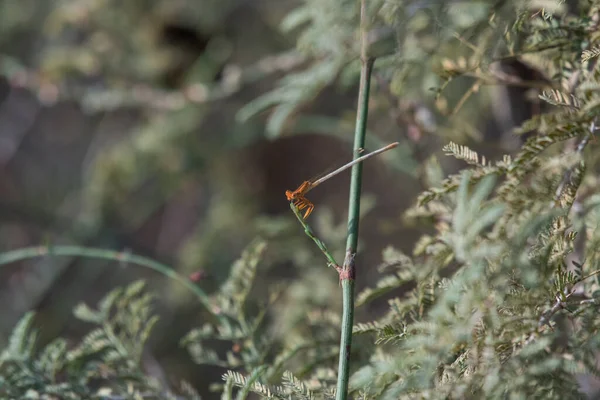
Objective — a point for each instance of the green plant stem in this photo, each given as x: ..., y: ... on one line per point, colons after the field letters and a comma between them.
x: 348, y: 270
x: 122, y: 257
x: 309, y: 232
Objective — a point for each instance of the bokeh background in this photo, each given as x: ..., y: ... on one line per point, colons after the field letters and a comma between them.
x: 120, y: 128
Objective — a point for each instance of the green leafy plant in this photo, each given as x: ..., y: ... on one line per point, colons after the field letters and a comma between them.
x: 106, y: 364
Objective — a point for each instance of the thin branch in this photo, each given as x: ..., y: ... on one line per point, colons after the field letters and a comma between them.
x: 561, y: 302
x: 589, y: 276
x: 547, y: 315
x: 309, y: 232
x: 119, y: 256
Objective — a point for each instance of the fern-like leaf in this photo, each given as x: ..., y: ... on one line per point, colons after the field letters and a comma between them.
x: 464, y: 153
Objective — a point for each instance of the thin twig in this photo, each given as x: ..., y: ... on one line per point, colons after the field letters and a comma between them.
x: 561, y: 302
x: 119, y: 256
x: 547, y: 315
x: 309, y: 232
x: 588, y: 301
x: 589, y: 276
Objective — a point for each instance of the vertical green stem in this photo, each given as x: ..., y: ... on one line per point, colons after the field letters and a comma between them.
x: 348, y: 272
x: 359, y: 142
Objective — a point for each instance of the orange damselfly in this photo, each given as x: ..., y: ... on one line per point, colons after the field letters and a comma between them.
x: 298, y: 196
